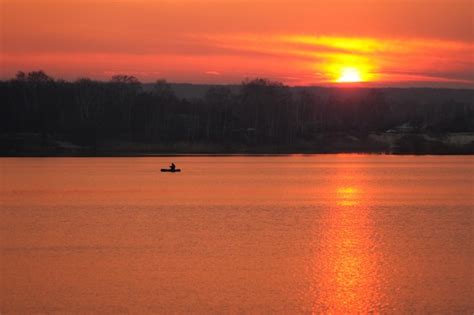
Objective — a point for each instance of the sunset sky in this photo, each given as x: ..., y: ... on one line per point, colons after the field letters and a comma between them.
x: 298, y: 42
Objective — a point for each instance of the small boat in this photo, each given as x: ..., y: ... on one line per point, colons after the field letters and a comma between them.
x: 170, y: 170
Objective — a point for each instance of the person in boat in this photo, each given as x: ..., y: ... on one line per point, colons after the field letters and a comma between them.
x: 172, y: 166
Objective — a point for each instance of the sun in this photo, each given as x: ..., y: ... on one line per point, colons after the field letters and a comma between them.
x: 349, y: 74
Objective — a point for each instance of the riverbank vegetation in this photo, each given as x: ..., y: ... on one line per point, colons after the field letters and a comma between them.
x: 44, y: 116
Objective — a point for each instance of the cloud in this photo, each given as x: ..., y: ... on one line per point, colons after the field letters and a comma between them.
x: 297, y: 59
x: 298, y: 42
x: 379, y: 59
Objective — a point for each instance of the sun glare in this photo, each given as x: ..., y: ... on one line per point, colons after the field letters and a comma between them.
x: 349, y: 74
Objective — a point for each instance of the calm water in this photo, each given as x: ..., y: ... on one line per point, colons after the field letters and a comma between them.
x: 296, y: 234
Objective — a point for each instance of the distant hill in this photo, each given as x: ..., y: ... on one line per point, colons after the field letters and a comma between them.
x: 392, y: 95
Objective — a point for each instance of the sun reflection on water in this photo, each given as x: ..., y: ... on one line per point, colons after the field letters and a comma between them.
x: 346, y: 268
x: 348, y: 196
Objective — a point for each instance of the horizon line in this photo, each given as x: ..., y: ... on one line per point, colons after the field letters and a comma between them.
x: 328, y: 85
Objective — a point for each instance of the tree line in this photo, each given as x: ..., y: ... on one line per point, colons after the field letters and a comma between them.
x: 259, y: 112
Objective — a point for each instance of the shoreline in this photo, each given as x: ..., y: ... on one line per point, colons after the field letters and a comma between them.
x: 144, y: 155
x: 386, y: 143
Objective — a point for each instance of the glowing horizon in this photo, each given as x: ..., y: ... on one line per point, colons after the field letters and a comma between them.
x: 202, y: 41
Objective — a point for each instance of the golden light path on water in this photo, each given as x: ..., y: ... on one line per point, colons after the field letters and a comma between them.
x: 346, y: 271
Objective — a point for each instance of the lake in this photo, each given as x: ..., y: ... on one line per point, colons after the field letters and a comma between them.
x: 293, y: 234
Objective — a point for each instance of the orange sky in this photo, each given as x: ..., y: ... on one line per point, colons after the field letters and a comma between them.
x: 298, y: 42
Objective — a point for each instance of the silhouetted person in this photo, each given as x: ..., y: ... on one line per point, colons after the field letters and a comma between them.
x: 172, y: 166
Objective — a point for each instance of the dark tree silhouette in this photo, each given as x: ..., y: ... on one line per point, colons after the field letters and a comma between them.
x: 258, y: 114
